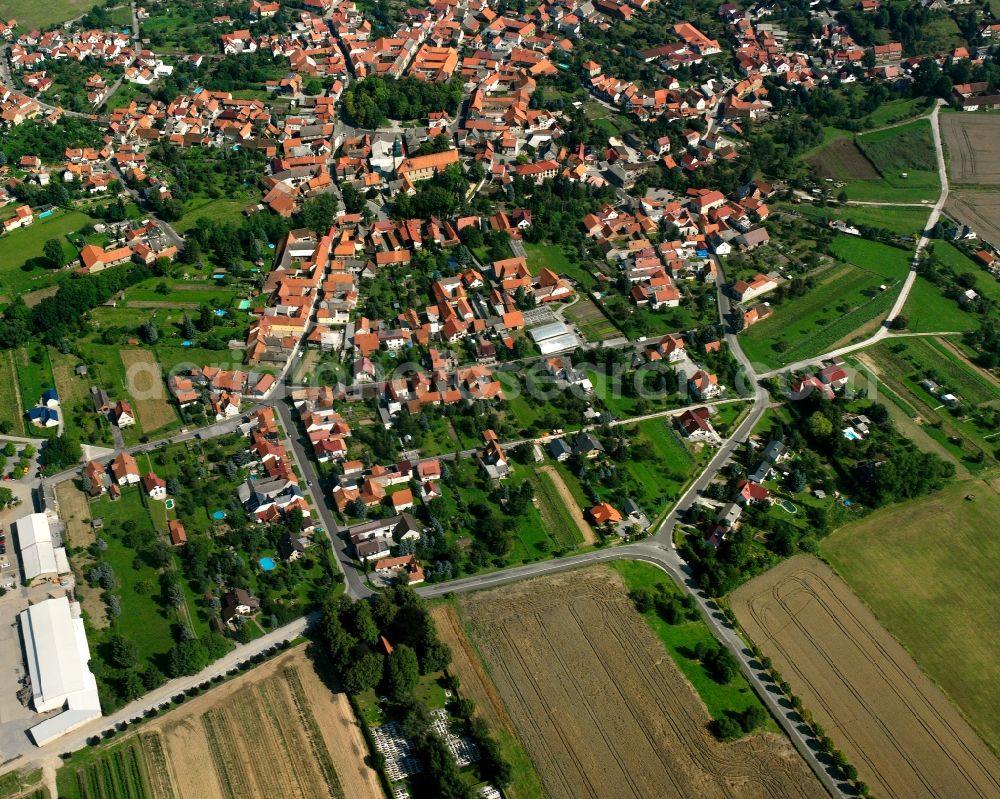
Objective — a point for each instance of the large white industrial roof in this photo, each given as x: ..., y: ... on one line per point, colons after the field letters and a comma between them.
x: 55, y: 643
x: 38, y: 555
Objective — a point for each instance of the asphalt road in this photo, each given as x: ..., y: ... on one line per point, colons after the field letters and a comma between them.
x: 658, y: 549
x: 356, y: 585
x: 77, y: 739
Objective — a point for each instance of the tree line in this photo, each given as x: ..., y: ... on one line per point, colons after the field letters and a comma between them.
x: 355, y: 637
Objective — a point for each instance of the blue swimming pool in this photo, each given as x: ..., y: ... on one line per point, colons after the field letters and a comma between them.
x: 267, y: 564
x: 219, y: 515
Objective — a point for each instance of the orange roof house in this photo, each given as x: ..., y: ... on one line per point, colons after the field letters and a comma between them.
x: 94, y: 258
x: 423, y: 167
x: 603, y: 513
x: 178, y: 535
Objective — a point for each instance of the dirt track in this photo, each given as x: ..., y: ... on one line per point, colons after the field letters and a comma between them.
x: 601, y: 707
x: 891, y: 721
x: 586, y: 531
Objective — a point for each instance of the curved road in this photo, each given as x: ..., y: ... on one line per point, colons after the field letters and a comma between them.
x: 658, y: 549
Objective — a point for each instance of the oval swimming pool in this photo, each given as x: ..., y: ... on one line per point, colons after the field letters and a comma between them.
x: 267, y: 564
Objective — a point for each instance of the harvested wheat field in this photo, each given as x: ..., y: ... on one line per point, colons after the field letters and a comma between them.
x: 891, y: 721
x: 280, y: 732
x: 144, y: 382
x: 477, y: 686
x: 973, y: 145
x: 980, y: 210
x: 601, y: 707
x: 276, y: 731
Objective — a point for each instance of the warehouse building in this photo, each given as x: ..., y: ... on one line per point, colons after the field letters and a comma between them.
x: 55, y: 646
x: 39, y: 555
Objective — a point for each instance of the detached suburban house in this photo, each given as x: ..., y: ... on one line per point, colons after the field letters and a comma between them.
x: 761, y: 284
x: 125, y: 470
x: 694, y: 425
x: 156, y: 487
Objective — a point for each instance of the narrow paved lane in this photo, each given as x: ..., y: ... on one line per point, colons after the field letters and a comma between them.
x: 911, y: 276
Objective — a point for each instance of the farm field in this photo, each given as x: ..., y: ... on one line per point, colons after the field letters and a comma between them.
x: 899, y: 149
x: 593, y: 324
x: 872, y: 164
x: 276, y: 731
x: 891, y: 721
x: 842, y: 160
x: 39, y: 13
x: 478, y: 686
x: 970, y: 142
x: 968, y: 434
x: 930, y: 571
x: 600, y: 709
x: 978, y: 209
x: 145, y: 384
x: 559, y: 510
x: 10, y: 410
x: 847, y: 296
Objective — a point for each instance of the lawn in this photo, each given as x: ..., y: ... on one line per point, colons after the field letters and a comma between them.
x: 927, y: 310
x: 847, y: 297
x: 903, y: 221
x: 609, y: 389
x: 660, y: 464
x: 880, y: 259
x: 145, y: 619
x: 170, y: 358
x: 9, y: 394
x: 34, y: 372
x: 895, y: 110
x: 680, y: 641
x: 184, y: 291
x: 40, y: 13
x: 216, y: 210
x: 906, y: 149
x: 930, y: 570
x: 554, y: 257
x: 19, y: 273
x: 170, y: 28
